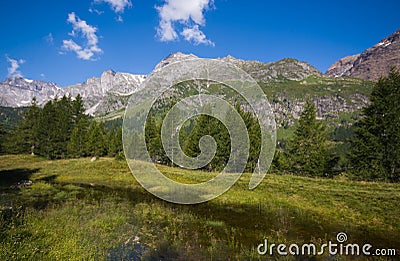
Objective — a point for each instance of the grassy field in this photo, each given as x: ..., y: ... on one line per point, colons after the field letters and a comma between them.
x: 82, y: 210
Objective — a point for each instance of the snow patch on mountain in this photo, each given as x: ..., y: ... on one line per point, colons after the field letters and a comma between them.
x: 111, y: 91
x: 19, y: 92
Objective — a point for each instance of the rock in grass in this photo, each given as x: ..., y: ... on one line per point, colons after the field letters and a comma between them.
x: 22, y: 184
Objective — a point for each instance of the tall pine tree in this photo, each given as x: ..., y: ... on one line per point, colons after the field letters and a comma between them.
x: 96, y: 143
x: 376, y: 145
x: 254, y: 132
x: 153, y: 140
x: 78, y: 141
x: 114, y: 138
x: 25, y: 138
x: 207, y: 125
x: 307, y: 152
x: 2, y: 138
x: 63, y: 126
x: 79, y: 135
x: 47, y: 132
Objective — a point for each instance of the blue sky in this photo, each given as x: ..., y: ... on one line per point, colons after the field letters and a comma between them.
x: 68, y: 41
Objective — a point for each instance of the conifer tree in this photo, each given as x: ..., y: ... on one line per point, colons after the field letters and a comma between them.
x: 25, y: 138
x: 63, y: 126
x: 375, y: 151
x: 307, y: 152
x: 237, y: 154
x: 153, y: 139
x: 47, y: 131
x: 78, y: 141
x: 2, y: 138
x: 208, y: 125
x: 118, y: 146
x: 79, y: 135
x: 114, y: 138
x: 78, y: 109
x: 96, y: 140
x: 134, y: 148
x: 254, y: 132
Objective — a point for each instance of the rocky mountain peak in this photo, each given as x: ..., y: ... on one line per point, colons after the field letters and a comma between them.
x: 285, y: 69
x: 393, y: 38
x: 20, y: 81
x: 230, y: 58
x: 106, y: 80
x: 108, y: 74
x: 11, y: 88
x: 371, y: 64
x: 16, y: 79
x: 106, y: 91
x: 343, y: 66
x: 174, y: 57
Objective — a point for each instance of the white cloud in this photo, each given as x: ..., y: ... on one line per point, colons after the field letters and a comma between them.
x: 166, y: 31
x: 187, y: 13
x: 79, y: 25
x: 14, y: 66
x: 88, y: 32
x: 91, y: 10
x: 49, y: 39
x: 196, y: 36
x: 119, y: 19
x: 118, y: 6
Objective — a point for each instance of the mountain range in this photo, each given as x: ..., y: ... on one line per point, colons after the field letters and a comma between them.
x: 372, y: 63
x: 111, y: 90
x: 343, y: 88
x: 96, y: 92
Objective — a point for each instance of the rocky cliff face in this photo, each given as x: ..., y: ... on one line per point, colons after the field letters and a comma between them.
x: 18, y: 91
x: 372, y: 63
x: 343, y: 66
x: 174, y: 57
x: 96, y: 92
x: 286, y: 69
x: 288, y: 109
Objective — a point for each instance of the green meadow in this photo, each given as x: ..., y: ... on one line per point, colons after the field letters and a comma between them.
x: 82, y: 210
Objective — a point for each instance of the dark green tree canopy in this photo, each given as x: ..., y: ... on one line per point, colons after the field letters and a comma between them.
x: 307, y: 152
x: 375, y: 151
x: 61, y: 129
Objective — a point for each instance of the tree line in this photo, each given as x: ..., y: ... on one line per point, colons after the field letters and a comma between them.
x: 61, y: 129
